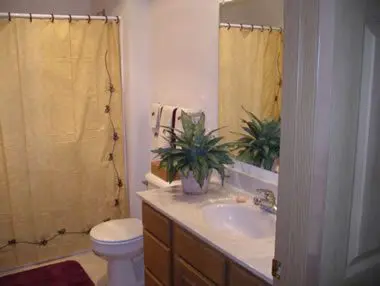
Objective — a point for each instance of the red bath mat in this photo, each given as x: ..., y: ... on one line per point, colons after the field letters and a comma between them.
x: 67, y: 273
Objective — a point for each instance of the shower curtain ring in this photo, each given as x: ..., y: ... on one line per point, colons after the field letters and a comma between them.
x: 262, y: 28
x: 106, y: 19
x: 252, y: 27
x: 88, y: 19
x: 30, y: 17
x: 52, y: 17
x: 9, y: 16
x: 117, y: 19
x: 70, y: 18
x: 271, y: 29
x: 229, y: 26
x: 241, y: 27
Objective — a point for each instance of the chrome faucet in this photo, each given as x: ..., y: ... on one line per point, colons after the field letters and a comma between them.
x: 266, y: 200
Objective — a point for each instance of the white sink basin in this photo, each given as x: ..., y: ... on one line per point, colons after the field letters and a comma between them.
x: 240, y: 220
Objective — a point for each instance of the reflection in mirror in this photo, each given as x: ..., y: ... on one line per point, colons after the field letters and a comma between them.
x: 250, y: 82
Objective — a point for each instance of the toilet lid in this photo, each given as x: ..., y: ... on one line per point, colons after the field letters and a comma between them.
x: 117, y: 230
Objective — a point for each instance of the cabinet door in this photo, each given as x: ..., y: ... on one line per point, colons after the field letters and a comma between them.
x: 200, y: 255
x: 157, y: 259
x: 150, y: 280
x: 185, y: 275
x: 240, y: 277
x: 157, y: 224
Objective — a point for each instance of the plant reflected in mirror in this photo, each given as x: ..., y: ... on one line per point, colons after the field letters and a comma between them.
x: 259, y: 145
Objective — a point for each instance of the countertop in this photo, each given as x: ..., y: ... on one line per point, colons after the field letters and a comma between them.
x: 254, y: 254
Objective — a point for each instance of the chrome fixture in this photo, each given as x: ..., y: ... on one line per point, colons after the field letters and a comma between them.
x: 266, y: 200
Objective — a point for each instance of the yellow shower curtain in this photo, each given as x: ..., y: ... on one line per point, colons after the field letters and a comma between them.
x: 250, y: 75
x: 55, y: 137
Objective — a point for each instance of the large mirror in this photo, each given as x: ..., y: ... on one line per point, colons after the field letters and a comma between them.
x: 250, y: 79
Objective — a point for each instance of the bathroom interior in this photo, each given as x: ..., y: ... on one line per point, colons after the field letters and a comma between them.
x: 140, y: 142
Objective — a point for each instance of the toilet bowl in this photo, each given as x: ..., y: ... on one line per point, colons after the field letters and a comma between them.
x: 120, y: 243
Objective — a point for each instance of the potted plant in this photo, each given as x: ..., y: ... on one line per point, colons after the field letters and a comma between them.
x: 193, y: 153
x: 260, y: 144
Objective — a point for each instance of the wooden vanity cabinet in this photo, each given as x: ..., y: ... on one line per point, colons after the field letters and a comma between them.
x: 238, y: 276
x: 157, y: 224
x: 210, y: 262
x: 175, y: 257
x: 150, y: 280
x: 157, y: 247
x: 186, y: 275
x: 157, y: 258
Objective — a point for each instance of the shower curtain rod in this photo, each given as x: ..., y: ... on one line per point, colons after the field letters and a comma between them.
x: 53, y: 17
x: 250, y: 27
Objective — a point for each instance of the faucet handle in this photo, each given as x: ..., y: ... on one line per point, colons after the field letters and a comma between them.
x: 268, y: 195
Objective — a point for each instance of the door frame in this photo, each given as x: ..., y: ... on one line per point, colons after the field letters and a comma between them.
x: 322, y: 80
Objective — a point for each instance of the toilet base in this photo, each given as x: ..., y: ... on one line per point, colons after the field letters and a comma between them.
x: 125, y: 272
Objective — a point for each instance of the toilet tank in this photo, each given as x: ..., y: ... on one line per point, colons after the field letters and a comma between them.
x: 154, y: 182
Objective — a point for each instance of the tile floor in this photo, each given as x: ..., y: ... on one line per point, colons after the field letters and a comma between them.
x: 95, y: 267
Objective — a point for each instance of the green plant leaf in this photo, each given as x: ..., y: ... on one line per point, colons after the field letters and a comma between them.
x: 193, y: 150
x: 260, y: 144
x: 199, y: 127
x: 253, y: 117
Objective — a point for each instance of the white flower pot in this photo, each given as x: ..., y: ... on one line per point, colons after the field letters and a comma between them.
x: 190, y: 186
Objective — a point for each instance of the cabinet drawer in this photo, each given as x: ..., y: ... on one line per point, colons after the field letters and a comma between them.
x: 150, y: 280
x: 241, y: 277
x: 203, y: 258
x: 157, y: 259
x: 185, y: 275
x: 157, y: 224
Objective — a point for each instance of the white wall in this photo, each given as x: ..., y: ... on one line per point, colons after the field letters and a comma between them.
x: 258, y: 12
x: 170, y: 53
x: 78, y: 7
x: 185, y: 54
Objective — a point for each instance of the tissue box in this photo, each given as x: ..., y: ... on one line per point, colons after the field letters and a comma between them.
x: 160, y: 172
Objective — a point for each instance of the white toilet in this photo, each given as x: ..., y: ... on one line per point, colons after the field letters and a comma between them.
x: 120, y: 243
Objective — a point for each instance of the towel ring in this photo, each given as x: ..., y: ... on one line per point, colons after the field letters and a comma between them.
x: 52, y: 17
